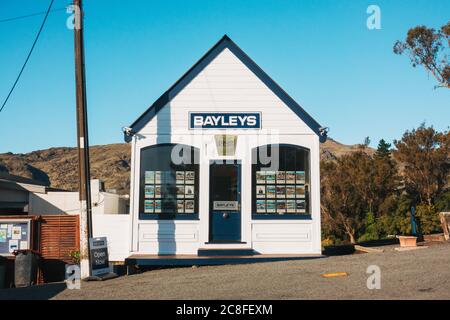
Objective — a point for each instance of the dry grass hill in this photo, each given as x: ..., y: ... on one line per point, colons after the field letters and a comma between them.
x: 110, y: 163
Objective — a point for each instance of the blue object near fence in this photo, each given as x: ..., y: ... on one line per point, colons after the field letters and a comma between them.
x: 413, y: 222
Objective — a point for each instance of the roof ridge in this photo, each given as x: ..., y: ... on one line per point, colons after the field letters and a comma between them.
x: 191, y: 73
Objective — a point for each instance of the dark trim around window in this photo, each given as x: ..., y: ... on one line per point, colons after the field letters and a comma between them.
x: 256, y: 166
x: 164, y: 163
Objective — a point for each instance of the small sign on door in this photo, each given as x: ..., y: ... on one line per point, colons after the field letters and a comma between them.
x: 225, y: 205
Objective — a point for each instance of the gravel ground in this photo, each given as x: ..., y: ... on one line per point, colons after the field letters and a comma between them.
x: 418, y: 274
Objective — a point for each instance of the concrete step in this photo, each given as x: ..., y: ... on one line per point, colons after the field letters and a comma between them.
x: 207, y: 252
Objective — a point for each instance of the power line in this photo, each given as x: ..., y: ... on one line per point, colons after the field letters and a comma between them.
x: 30, y: 15
x: 28, y: 56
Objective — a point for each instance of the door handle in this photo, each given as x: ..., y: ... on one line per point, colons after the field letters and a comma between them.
x: 225, y: 215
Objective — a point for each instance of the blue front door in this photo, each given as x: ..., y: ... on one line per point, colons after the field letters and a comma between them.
x: 225, y: 201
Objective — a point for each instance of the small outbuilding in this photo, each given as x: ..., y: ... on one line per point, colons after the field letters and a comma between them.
x: 225, y: 159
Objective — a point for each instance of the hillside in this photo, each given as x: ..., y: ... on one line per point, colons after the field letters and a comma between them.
x: 59, y: 166
x: 110, y: 163
x: 331, y: 149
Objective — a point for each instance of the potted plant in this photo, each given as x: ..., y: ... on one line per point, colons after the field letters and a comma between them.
x: 407, y: 241
x: 75, y: 256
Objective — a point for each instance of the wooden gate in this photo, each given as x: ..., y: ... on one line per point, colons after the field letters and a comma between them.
x: 59, y: 235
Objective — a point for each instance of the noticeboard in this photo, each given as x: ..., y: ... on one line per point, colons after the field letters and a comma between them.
x: 14, y: 235
x: 99, y: 256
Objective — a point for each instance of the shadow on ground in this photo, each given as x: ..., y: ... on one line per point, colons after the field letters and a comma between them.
x: 40, y: 292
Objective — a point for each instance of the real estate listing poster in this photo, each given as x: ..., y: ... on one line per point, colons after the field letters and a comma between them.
x: 270, y: 191
x: 157, y: 176
x: 260, y: 191
x: 300, y: 177
x: 281, y: 176
x: 290, y: 206
x: 180, y: 177
x: 180, y: 206
x: 189, y: 206
x: 260, y: 206
x: 290, y: 191
x: 158, y: 206
x: 281, y: 191
x: 300, y: 191
x: 158, y: 191
x: 180, y: 191
x: 281, y: 206
x: 270, y: 177
x: 301, y: 206
x: 189, y: 177
x: 189, y: 192
x: 149, y: 206
x: 290, y: 177
x: 149, y: 191
x: 270, y: 206
x: 260, y: 177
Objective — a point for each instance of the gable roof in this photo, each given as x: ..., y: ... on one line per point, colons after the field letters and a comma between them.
x: 223, y: 43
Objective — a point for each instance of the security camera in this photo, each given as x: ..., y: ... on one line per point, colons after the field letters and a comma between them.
x: 127, y: 130
x: 324, y: 131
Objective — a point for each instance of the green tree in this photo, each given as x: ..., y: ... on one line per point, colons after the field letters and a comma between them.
x: 371, y: 229
x: 427, y: 218
x: 352, y: 189
x: 342, y: 207
x: 425, y: 154
x: 386, y: 176
x: 429, y: 48
x: 365, y: 144
x: 383, y: 150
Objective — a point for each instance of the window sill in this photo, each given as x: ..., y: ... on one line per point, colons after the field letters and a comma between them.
x: 165, y: 217
x: 287, y: 216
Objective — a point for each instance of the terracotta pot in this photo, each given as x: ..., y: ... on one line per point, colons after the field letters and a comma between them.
x: 408, y: 241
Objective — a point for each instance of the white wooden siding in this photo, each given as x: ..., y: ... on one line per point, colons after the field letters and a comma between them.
x: 226, y: 84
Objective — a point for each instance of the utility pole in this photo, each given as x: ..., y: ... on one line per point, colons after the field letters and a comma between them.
x: 83, y: 144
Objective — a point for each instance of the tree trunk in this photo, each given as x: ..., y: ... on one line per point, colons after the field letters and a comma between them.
x: 352, y: 237
x: 349, y: 231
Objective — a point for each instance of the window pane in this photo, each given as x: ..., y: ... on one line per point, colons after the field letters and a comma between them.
x: 169, y: 181
x: 280, y: 181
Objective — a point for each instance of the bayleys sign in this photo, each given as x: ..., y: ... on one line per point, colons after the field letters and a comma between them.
x: 228, y: 120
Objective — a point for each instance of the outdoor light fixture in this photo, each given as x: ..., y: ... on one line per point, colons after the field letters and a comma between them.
x: 324, y: 131
x: 128, y: 131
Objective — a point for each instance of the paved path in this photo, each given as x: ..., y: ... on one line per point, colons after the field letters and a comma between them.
x: 419, y: 274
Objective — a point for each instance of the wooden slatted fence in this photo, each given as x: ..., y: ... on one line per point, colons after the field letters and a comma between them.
x: 59, y: 235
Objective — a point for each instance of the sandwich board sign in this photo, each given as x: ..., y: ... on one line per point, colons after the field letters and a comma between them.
x: 99, y: 256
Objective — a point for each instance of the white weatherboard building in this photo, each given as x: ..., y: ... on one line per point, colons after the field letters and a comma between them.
x: 225, y: 159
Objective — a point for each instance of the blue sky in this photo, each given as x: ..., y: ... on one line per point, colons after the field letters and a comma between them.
x: 320, y: 52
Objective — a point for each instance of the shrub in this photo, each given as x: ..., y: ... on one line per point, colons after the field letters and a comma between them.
x: 427, y: 218
x: 371, y: 228
x: 75, y: 256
